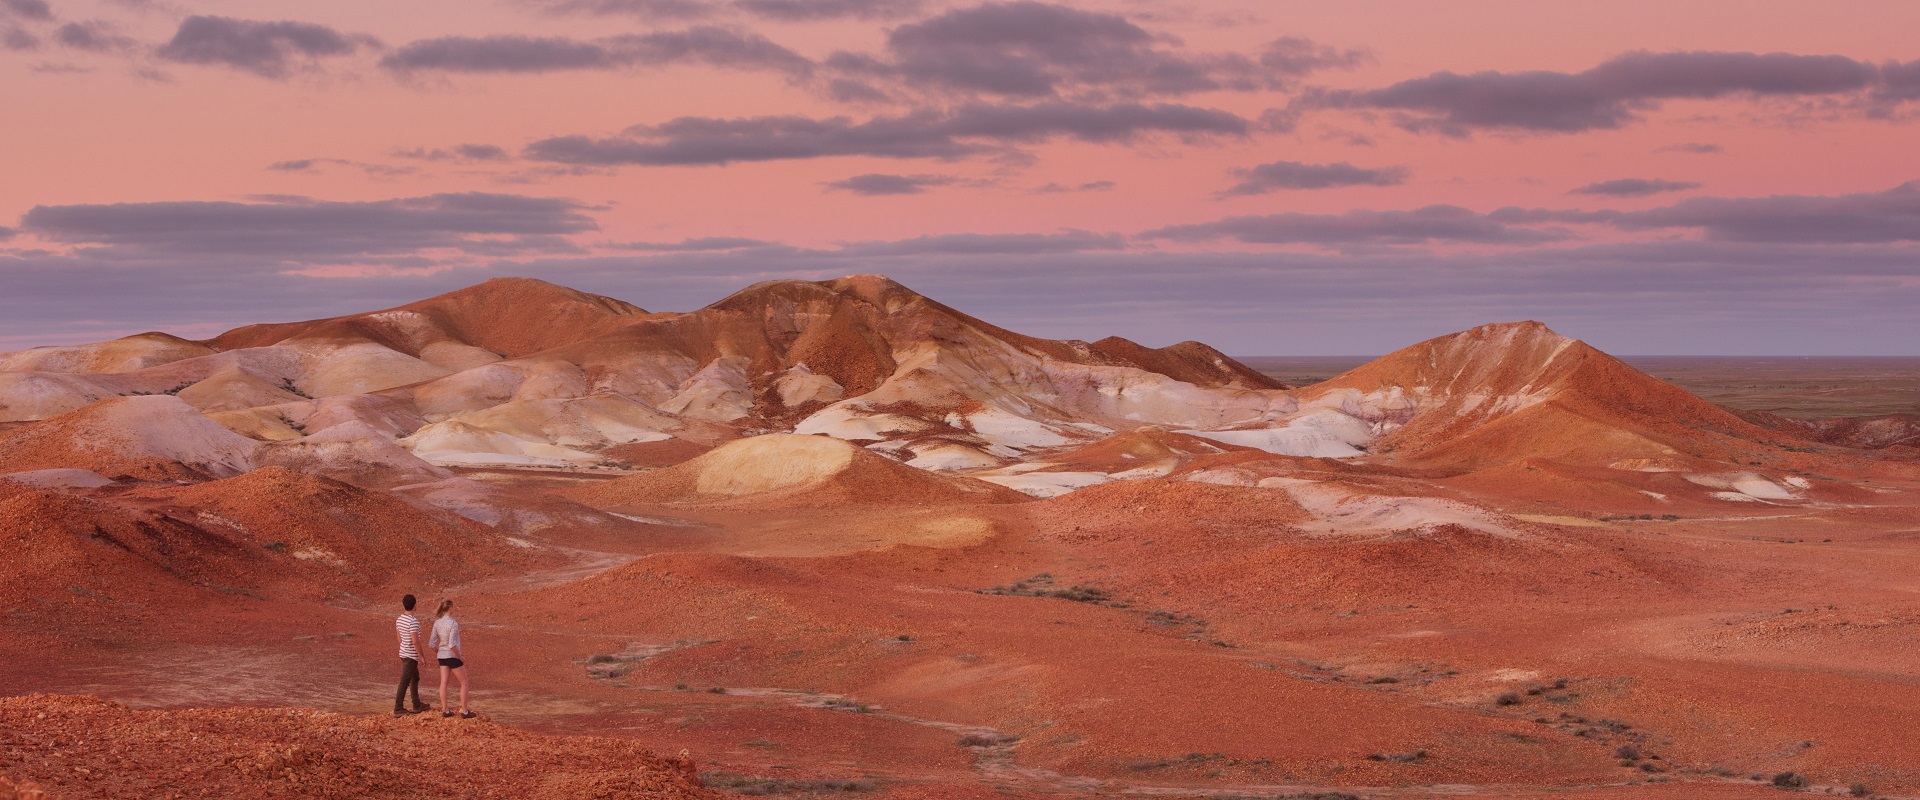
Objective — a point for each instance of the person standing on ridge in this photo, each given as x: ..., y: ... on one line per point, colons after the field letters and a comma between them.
x: 446, y: 640
x: 408, y: 628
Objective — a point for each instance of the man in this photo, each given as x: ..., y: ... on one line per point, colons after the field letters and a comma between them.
x: 408, y: 627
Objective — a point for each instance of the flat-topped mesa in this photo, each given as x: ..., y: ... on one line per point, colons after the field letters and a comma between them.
x: 1518, y: 389
x: 508, y: 317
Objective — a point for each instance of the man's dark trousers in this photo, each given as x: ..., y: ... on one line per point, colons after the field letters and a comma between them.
x: 409, y: 680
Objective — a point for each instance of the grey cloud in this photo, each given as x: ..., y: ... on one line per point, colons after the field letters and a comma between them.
x: 1296, y: 57
x: 462, y: 152
x: 1694, y: 148
x: 644, y: 9
x: 1900, y: 83
x: 93, y: 36
x: 1033, y: 50
x: 1538, y: 216
x: 1867, y: 218
x: 1614, y: 93
x: 37, y: 10
x: 1436, y: 223
x: 806, y: 10
x: 876, y: 184
x: 1072, y: 241
x: 1090, y: 186
x: 7, y: 233
x: 969, y: 130
x: 299, y: 231
x: 712, y: 46
x: 1278, y: 175
x: 267, y: 49
x: 697, y: 245
x: 19, y: 39
x: 297, y: 165
x: 1635, y: 187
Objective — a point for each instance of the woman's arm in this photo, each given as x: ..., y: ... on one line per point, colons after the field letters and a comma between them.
x: 433, y: 641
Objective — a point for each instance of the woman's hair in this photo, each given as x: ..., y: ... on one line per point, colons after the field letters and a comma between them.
x: 444, y: 605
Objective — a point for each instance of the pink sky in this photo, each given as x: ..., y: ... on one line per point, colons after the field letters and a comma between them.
x: 126, y: 118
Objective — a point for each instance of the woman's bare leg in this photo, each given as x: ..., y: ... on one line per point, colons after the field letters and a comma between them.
x: 443, y: 685
x: 461, y: 673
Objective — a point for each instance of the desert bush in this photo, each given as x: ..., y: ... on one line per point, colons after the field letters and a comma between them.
x: 1859, y: 790
x: 1790, y: 780
x: 1627, y: 752
x: 1507, y: 699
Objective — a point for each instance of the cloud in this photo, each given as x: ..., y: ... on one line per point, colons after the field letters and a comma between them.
x: 1635, y: 187
x: 1071, y: 241
x: 1899, y: 83
x: 644, y: 9
x: 1039, y: 50
x: 36, y: 10
x: 705, y: 244
x: 1279, y: 175
x: 94, y: 36
x: 1089, y: 186
x: 1436, y: 223
x: 461, y: 152
x: 966, y: 131
x: 1614, y: 93
x: 19, y: 39
x: 7, y: 233
x: 707, y: 45
x: 1694, y: 148
x: 809, y: 10
x: 298, y: 165
x: 1295, y: 57
x: 299, y: 231
x: 1867, y: 218
x: 267, y: 49
x: 877, y: 184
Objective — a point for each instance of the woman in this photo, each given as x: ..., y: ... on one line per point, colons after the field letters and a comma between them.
x: 446, y: 637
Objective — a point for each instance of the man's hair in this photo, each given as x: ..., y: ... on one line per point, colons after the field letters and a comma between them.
x: 407, y: 602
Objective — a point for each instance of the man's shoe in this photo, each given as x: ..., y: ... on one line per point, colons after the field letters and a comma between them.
x: 401, y: 712
x: 422, y: 709
x: 445, y: 714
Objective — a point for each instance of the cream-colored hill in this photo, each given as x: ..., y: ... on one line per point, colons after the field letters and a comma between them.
x: 790, y: 470
x: 27, y: 396
x: 128, y: 354
x: 352, y: 452
x: 155, y: 437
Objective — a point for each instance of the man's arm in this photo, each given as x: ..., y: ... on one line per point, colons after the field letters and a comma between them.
x: 419, y: 647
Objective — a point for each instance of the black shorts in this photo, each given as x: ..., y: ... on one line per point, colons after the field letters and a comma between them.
x: 452, y: 662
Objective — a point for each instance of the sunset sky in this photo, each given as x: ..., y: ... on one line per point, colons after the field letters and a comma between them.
x: 1273, y: 178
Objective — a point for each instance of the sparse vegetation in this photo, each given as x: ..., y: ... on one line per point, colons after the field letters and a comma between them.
x: 839, y: 704
x: 759, y: 786
x: 276, y: 547
x: 1415, y: 757
x: 717, y: 690
x: 987, y: 740
x: 1507, y: 699
x: 1041, y: 585
x: 1790, y: 780
x: 1859, y: 790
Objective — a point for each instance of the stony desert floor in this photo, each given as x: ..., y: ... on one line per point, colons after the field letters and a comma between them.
x: 1547, y: 607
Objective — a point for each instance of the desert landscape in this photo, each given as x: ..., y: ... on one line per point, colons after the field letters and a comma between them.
x: 834, y: 537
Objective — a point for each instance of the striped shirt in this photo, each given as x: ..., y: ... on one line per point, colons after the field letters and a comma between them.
x: 409, y: 628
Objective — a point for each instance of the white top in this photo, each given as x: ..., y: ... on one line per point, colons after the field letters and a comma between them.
x: 408, y: 626
x: 446, y: 636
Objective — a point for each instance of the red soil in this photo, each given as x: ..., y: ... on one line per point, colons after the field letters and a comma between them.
x: 84, y: 748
